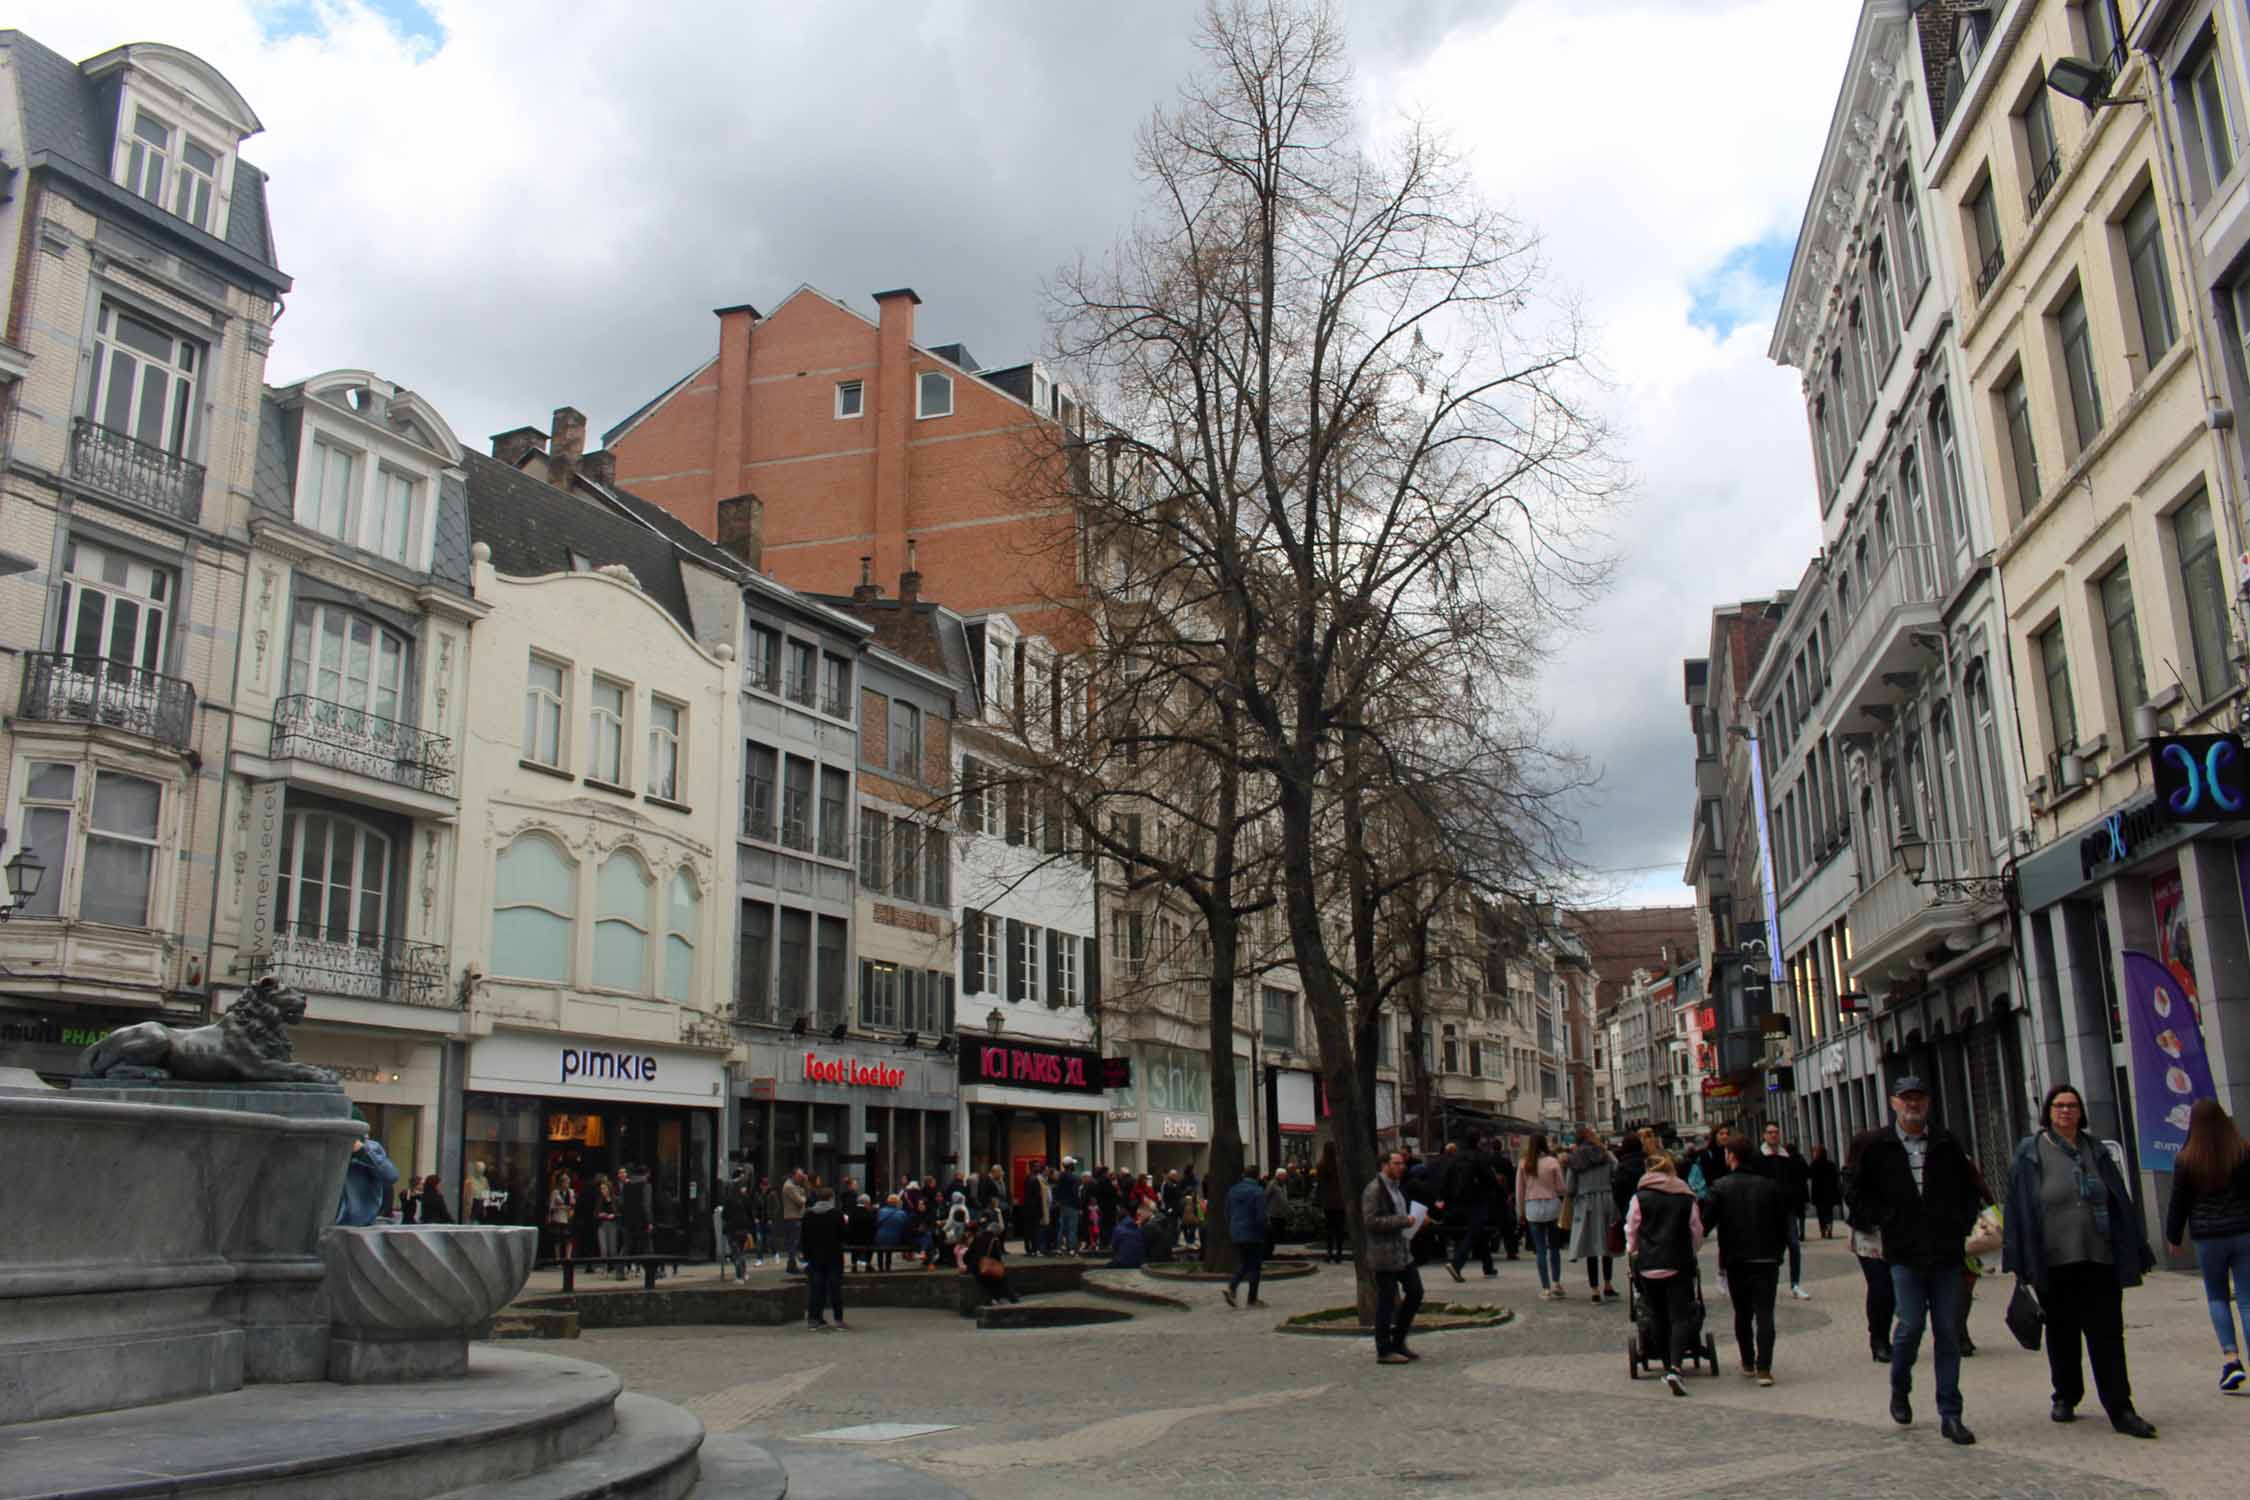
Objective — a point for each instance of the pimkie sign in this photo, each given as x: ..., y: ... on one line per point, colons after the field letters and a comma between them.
x: 850, y: 1071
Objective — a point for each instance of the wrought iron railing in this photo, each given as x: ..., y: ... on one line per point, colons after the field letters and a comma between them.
x: 63, y: 689
x: 129, y: 469
x: 362, y: 967
x: 2043, y: 183
x: 365, y: 744
x: 836, y: 705
x: 1989, y: 272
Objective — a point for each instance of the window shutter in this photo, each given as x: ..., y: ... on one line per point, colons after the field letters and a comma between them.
x: 965, y: 814
x: 1090, y: 975
x: 1015, y: 812
x: 1054, y: 822
x: 972, y: 950
x: 1015, y: 959
x: 866, y: 991
x: 1054, y: 969
x: 945, y: 987
x: 909, y: 1016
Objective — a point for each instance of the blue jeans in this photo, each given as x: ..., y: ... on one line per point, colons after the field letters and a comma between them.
x: 1796, y: 1248
x: 1546, y: 1252
x: 1066, y: 1225
x: 1250, y: 1263
x: 1932, y: 1295
x: 2217, y: 1258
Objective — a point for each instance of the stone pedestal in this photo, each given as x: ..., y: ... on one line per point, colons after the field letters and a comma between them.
x: 159, y: 1250
x: 405, y: 1298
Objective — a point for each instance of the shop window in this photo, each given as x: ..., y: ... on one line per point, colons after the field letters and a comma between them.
x: 684, y: 912
x: 535, y: 907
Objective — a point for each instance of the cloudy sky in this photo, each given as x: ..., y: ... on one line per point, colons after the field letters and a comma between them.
x: 512, y: 206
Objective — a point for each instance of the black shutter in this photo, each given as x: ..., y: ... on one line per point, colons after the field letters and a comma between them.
x: 1015, y: 812
x: 1092, y: 975
x: 1054, y: 968
x: 965, y: 813
x: 1015, y: 959
x: 972, y: 950
x: 1054, y: 822
x: 945, y: 986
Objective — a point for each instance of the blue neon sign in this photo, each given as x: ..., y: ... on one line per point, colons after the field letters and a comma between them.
x: 2202, y: 778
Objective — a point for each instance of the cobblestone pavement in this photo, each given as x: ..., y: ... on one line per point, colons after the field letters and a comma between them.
x: 1212, y: 1402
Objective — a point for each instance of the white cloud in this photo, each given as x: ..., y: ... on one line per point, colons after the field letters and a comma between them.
x: 544, y: 206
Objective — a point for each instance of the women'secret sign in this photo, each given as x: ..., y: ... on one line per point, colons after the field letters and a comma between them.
x: 845, y: 1070
x: 1067, y: 1070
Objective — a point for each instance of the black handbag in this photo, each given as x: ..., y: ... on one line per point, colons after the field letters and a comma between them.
x: 2025, y: 1318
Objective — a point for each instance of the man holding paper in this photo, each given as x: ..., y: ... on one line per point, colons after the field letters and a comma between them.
x: 1390, y: 1223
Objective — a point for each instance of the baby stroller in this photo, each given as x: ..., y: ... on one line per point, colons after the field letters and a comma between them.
x: 1642, y: 1348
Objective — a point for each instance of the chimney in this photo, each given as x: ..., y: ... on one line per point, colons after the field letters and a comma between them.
x: 742, y: 528
x: 600, y: 466
x: 893, y: 417
x: 730, y: 418
x: 512, y: 446
x: 910, y: 581
x: 565, y: 446
x: 867, y: 592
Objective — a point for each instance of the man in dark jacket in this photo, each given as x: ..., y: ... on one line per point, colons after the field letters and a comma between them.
x: 1469, y: 1185
x: 1789, y: 1173
x: 1915, y: 1188
x: 821, y: 1241
x: 1246, y: 1226
x: 1632, y: 1166
x: 1751, y: 1217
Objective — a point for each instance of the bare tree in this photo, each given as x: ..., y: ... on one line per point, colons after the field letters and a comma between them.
x: 1378, y: 538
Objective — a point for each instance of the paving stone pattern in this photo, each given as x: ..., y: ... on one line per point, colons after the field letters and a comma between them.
x: 1213, y: 1403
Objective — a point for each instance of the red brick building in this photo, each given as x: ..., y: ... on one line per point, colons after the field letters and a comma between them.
x: 1620, y: 939
x: 856, y: 438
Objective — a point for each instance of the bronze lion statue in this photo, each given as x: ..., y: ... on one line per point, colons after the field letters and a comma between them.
x: 249, y: 1043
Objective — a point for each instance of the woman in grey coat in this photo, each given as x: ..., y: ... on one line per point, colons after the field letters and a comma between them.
x: 1593, y: 1211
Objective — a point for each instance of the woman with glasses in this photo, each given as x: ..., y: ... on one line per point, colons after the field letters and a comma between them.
x: 2072, y: 1233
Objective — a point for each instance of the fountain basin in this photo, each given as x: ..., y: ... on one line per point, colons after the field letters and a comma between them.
x: 403, y: 1299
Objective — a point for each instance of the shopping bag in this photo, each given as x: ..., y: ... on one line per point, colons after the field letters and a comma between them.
x: 2026, y: 1320
x: 1985, y: 1238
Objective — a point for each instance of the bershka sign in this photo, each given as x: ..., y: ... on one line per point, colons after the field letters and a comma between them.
x: 1026, y: 1065
x: 851, y: 1071
x: 599, y: 1063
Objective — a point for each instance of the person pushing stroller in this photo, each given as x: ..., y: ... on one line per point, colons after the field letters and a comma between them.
x: 1663, y: 1231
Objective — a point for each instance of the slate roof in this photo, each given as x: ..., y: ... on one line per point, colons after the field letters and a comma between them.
x: 675, y: 530
x: 532, y: 528
x: 72, y: 120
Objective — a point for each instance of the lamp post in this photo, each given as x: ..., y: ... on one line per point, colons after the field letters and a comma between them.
x: 25, y: 873
x: 1913, y: 852
x: 996, y: 1022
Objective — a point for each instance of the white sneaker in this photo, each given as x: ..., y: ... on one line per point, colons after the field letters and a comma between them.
x: 1722, y: 1283
x: 1800, y: 1294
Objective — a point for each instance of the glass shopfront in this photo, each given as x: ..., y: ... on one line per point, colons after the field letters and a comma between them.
x: 865, y: 1111
x: 540, y: 1111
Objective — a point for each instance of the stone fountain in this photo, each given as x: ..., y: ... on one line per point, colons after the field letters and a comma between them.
x: 181, y: 1315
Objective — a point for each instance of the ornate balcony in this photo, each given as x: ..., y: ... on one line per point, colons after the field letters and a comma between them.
x: 129, y: 469
x: 361, y: 743
x: 62, y: 689
x: 362, y: 968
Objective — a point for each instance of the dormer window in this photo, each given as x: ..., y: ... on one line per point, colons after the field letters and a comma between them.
x: 172, y: 169
x: 362, y: 501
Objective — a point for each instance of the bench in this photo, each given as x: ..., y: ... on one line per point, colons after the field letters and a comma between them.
x: 649, y: 1264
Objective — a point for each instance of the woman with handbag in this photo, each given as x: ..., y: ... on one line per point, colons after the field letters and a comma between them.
x: 2073, y: 1236
x: 987, y: 1261
x: 1593, y: 1206
x: 1539, y: 1193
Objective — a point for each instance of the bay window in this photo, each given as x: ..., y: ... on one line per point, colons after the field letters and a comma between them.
x: 352, y: 496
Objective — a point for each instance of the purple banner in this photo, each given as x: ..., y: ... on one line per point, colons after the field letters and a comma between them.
x: 2170, y: 1070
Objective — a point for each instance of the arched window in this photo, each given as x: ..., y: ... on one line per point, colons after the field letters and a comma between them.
x: 349, y: 660
x: 335, y: 879
x: 534, y: 906
x: 683, y: 914
x: 621, y: 919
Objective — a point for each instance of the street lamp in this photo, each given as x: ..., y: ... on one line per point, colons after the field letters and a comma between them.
x: 2086, y: 82
x: 25, y: 872
x: 1913, y: 852
x: 996, y: 1022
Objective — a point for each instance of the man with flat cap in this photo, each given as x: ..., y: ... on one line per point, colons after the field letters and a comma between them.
x: 1915, y: 1186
